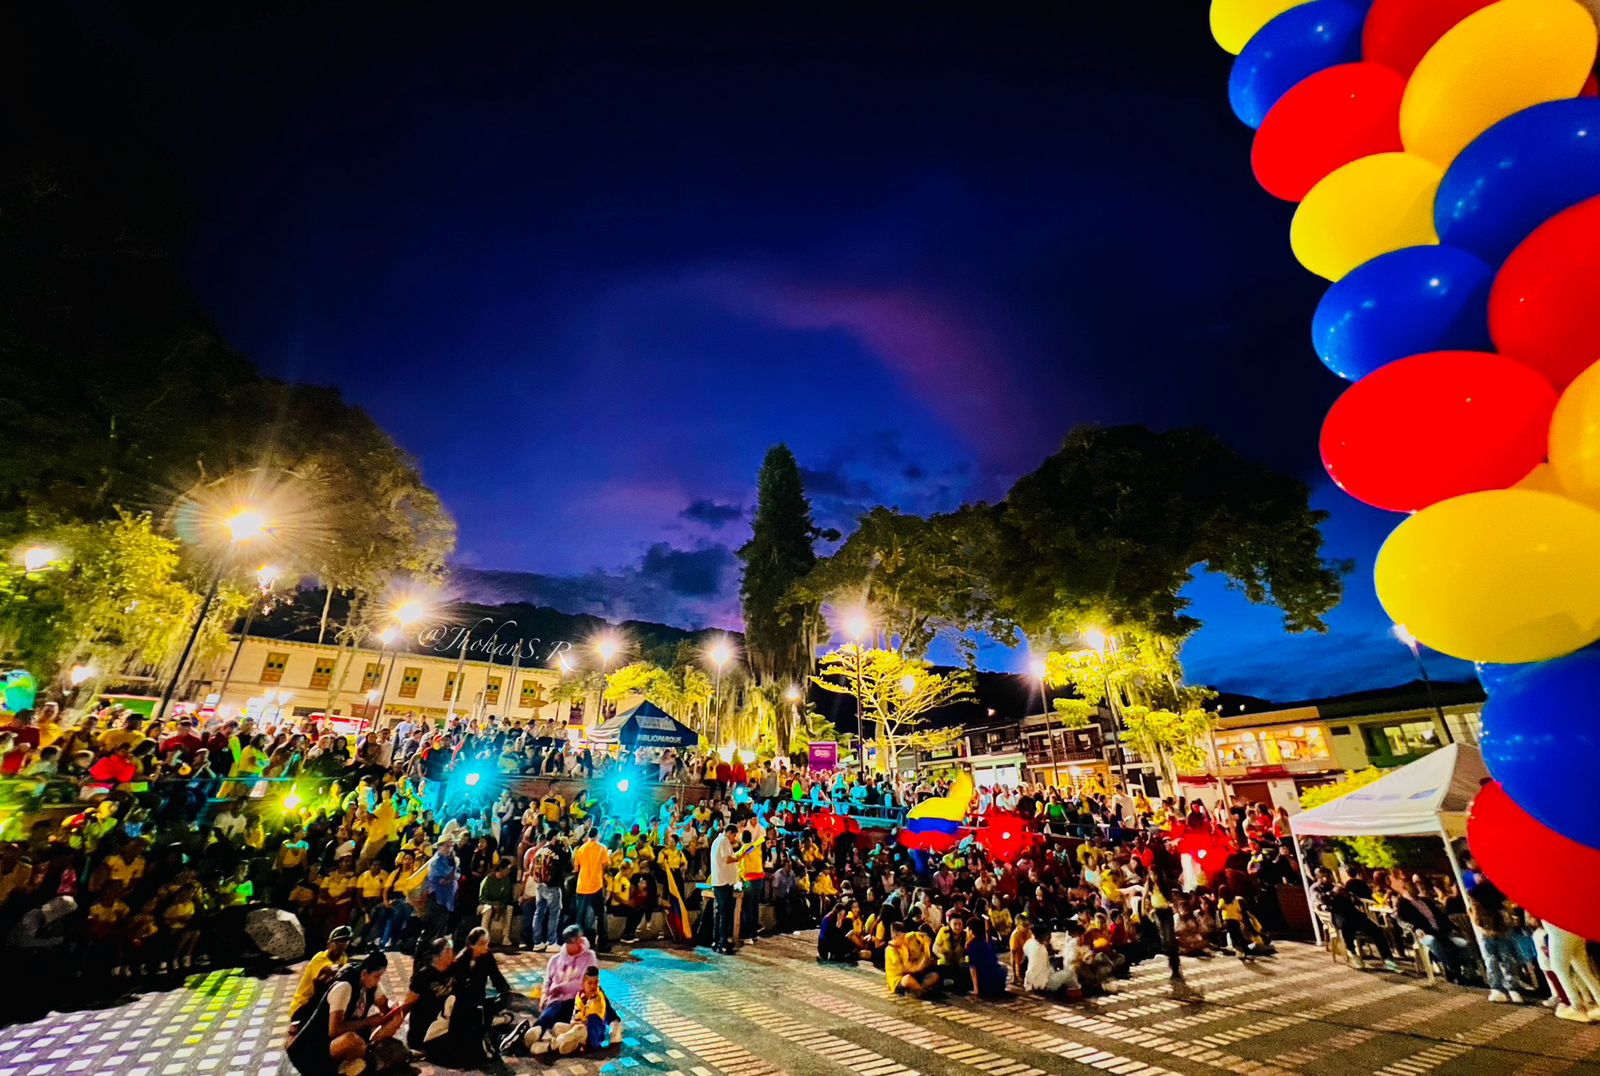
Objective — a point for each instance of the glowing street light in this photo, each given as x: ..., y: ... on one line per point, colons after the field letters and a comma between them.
x: 81, y: 673
x: 39, y: 557
x: 791, y: 693
x: 267, y: 575
x: 245, y: 523
x: 1040, y: 669
x: 720, y: 652
x: 409, y: 611
x: 908, y: 683
x: 607, y: 647
x: 387, y: 636
x: 856, y: 625
x: 1096, y: 640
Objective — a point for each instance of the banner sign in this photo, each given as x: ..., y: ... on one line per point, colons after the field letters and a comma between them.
x: 824, y: 755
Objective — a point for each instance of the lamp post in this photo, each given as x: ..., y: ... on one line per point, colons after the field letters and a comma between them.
x: 266, y: 575
x: 858, y: 625
x: 1099, y: 642
x: 244, y: 525
x: 607, y: 647
x: 719, y: 653
x: 405, y: 614
x: 1402, y: 633
x: 1039, y: 669
x: 35, y: 558
x: 791, y: 695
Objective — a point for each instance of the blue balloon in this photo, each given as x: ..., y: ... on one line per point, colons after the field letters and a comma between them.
x: 1517, y: 175
x: 1541, y: 740
x: 1295, y: 45
x: 1403, y: 303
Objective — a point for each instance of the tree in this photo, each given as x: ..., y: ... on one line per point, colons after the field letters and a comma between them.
x: 780, y: 632
x: 1172, y: 740
x: 917, y: 578
x: 683, y: 692
x: 118, y: 601
x: 1109, y: 530
x: 896, y: 694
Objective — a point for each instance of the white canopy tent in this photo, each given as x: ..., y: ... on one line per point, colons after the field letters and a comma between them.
x: 1426, y: 798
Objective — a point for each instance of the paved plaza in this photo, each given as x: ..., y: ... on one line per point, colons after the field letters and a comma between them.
x: 775, y: 1010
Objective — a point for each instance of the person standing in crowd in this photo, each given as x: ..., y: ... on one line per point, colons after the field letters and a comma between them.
x: 724, y: 876
x: 590, y: 861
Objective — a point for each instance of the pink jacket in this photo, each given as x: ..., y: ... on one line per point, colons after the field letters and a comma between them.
x: 564, y: 976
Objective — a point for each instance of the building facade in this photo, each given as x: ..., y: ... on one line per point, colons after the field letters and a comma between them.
x: 290, y: 678
x: 1019, y: 752
x: 1270, y: 756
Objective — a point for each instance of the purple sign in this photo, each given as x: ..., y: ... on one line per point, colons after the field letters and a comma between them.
x: 824, y: 755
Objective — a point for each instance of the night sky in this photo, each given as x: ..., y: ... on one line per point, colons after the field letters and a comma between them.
x: 588, y: 261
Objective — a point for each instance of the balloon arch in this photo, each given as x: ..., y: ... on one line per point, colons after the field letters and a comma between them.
x: 1445, y: 158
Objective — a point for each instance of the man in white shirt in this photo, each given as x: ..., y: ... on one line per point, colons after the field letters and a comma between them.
x: 1041, y: 977
x: 724, y: 875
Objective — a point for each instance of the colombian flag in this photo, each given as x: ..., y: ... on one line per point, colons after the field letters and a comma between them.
x: 934, y: 825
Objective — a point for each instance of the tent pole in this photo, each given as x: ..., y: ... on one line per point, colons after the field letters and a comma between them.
x: 1305, y: 883
x: 1461, y: 884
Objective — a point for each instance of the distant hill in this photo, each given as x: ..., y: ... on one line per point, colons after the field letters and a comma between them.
x: 536, y: 630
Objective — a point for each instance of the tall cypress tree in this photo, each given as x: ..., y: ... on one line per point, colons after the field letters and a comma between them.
x: 777, y: 630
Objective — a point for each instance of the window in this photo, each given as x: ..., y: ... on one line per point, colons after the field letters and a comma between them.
x: 451, y: 691
x: 373, y: 676
x: 532, y: 694
x: 1465, y: 728
x: 1404, y: 739
x: 410, y: 677
x: 322, y: 672
x: 272, y: 671
x: 491, y: 694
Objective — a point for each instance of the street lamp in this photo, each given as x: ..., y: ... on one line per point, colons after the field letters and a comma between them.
x: 1409, y: 641
x: 406, y: 613
x: 245, y: 524
x: 607, y: 646
x: 81, y: 673
x: 266, y: 575
x: 1039, y: 670
x: 857, y: 625
x: 37, y: 558
x: 1100, y: 643
x: 719, y: 653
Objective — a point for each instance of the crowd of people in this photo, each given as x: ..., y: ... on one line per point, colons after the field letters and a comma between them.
x: 133, y: 852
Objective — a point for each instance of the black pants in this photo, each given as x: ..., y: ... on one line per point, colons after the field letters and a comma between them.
x: 1169, y: 938
x: 1352, y: 927
x: 723, y: 895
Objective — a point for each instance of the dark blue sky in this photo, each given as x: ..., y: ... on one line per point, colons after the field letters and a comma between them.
x: 588, y: 261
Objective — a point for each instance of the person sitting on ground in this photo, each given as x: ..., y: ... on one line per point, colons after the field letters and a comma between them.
x: 1018, y: 947
x: 1040, y: 976
x: 432, y: 984
x: 318, y: 974
x: 988, y: 976
x: 584, y: 1022
x: 833, y: 938
x: 563, y: 976
x: 950, y: 954
x: 908, y: 962
x: 351, y: 1029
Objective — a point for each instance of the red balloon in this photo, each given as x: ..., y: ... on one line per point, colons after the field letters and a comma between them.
x: 1552, y: 876
x: 1398, y: 33
x: 1435, y: 426
x: 1542, y: 306
x: 1005, y: 835
x: 1590, y: 87
x: 1329, y: 119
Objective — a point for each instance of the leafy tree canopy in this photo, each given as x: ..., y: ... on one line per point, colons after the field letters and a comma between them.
x: 918, y: 578
x: 779, y: 631
x: 1109, y: 530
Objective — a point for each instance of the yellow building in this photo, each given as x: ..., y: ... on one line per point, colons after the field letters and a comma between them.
x: 1271, y: 755
x: 288, y: 678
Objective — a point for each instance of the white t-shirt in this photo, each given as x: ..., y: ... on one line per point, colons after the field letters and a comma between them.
x: 1036, y: 975
x: 723, y: 872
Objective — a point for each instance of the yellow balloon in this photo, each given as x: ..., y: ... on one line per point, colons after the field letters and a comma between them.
x: 1507, y: 575
x: 1235, y: 22
x: 1575, y: 437
x: 1368, y: 207
x: 1542, y: 479
x: 1498, y: 60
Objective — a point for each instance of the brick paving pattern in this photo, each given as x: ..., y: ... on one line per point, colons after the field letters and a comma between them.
x: 775, y: 1010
